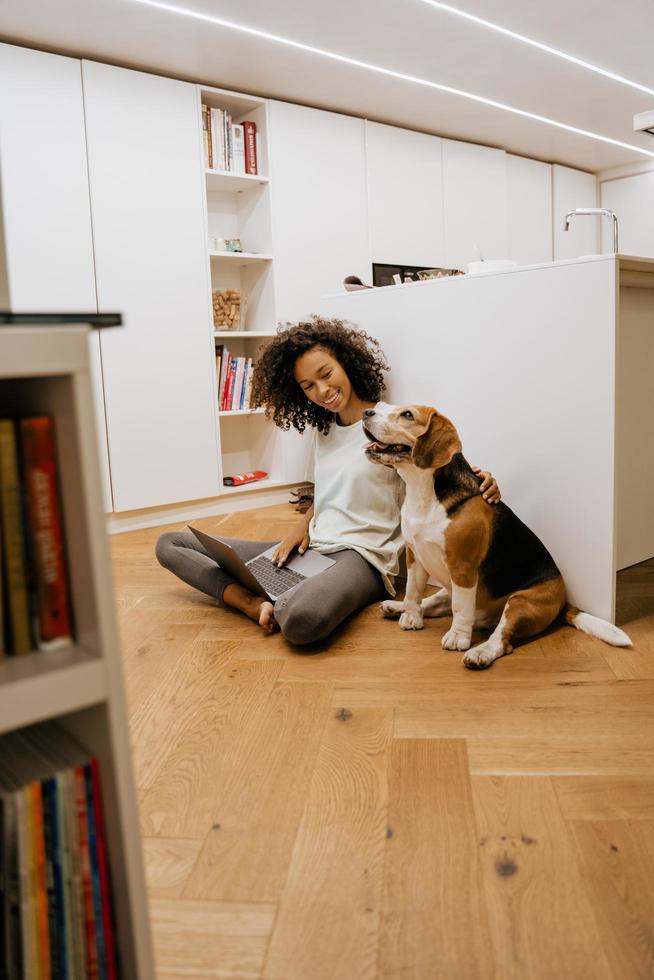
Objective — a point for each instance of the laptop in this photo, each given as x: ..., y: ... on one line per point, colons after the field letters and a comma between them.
x: 260, y: 575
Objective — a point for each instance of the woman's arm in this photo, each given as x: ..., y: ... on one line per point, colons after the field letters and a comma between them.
x: 488, y: 486
x: 297, y: 538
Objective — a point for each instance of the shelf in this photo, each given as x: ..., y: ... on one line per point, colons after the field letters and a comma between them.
x: 267, y: 484
x: 245, y: 334
x: 49, y: 683
x: 242, y: 411
x: 222, y: 180
x: 241, y: 258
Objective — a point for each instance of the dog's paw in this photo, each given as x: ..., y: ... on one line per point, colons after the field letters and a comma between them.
x: 483, y: 655
x: 434, y: 607
x: 391, y: 609
x: 411, y: 620
x: 456, y: 640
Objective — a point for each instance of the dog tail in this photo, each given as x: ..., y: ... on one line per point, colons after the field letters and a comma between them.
x: 595, y: 627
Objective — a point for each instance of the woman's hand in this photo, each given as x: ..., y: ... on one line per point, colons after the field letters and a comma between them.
x: 488, y: 487
x: 298, y: 538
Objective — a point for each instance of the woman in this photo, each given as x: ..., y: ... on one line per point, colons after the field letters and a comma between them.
x: 321, y: 374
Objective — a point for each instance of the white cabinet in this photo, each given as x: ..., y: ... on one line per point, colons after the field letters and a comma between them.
x: 145, y: 166
x: 45, y: 190
x: 474, y: 203
x: 320, y: 226
x: 632, y: 199
x: 574, y: 189
x: 405, y: 196
x: 529, y: 210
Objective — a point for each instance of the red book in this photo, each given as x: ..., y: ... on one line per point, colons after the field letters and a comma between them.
x: 241, y: 478
x: 45, y: 528
x: 229, y: 386
x: 110, y: 950
x: 92, y: 970
x: 225, y: 377
x: 250, y: 139
x: 42, y: 885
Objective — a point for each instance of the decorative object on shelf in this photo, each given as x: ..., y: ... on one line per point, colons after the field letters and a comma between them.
x: 240, y: 478
x: 303, y: 497
x: 425, y: 274
x: 353, y: 283
x: 227, y: 308
x: 233, y: 245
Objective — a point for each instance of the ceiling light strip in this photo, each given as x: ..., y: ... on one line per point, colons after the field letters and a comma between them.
x: 449, y: 9
x: 389, y: 72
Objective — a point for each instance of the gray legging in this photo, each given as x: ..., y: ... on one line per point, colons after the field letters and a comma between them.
x: 308, y: 612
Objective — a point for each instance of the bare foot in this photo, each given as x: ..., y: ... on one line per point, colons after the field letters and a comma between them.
x: 267, y: 617
x: 261, y: 611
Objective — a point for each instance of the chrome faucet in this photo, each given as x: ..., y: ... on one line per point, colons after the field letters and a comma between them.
x: 605, y: 212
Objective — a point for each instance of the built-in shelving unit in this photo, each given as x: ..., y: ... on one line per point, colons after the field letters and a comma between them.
x: 239, y: 206
x: 45, y: 370
x: 240, y: 258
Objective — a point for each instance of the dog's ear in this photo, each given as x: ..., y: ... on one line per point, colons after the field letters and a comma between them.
x: 437, y: 444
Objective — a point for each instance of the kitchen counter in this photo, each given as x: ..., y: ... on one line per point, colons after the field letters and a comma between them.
x: 546, y: 371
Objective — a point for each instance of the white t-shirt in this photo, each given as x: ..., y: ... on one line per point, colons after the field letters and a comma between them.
x: 357, y: 503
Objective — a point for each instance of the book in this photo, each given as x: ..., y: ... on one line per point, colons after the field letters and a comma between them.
x: 41, y: 885
x: 238, y: 383
x: 13, y: 543
x: 229, y: 382
x: 238, y: 140
x: 45, y: 532
x: 250, y: 138
x: 96, y: 796
x: 87, y: 884
x: 206, y: 136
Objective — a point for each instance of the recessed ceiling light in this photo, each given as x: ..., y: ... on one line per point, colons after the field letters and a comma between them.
x: 449, y: 9
x: 388, y: 72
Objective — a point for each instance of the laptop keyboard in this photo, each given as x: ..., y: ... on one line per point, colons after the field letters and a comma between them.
x: 274, y: 579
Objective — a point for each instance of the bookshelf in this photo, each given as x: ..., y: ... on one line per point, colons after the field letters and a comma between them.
x: 46, y: 370
x: 239, y: 206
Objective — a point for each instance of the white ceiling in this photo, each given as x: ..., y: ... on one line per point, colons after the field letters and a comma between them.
x: 403, y: 35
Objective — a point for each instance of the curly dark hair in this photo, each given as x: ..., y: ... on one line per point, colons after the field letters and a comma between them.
x: 275, y: 387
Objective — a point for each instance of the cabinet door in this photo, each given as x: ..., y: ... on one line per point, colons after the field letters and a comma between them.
x: 145, y: 169
x: 405, y: 196
x: 320, y: 231
x: 45, y: 189
x: 632, y: 199
x: 474, y: 203
x: 529, y: 210
x: 574, y: 189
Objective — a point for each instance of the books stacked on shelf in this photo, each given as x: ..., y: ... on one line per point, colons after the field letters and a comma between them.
x: 34, y: 608
x: 55, y: 909
x: 228, y: 145
x: 234, y: 376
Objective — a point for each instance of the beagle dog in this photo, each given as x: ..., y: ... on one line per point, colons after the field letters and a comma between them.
x: 493, y: 570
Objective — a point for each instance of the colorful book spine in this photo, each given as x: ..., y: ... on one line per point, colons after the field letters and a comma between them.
x: 103, y: 874
x: 87, y: 884
x: 206, y: 136
x: 250, y: 138
x: 238, y: 139
x: 41, y: 881
x: 13, y: 542
x: 230, y: 385
x: 55, y: 933
x: 69, y: 780
x: 45, y: 530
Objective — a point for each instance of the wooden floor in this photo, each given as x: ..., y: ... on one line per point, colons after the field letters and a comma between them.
x: 377, y: 810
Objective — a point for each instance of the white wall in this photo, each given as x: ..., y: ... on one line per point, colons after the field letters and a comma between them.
x: 632, y: 199
x: 405, y: 196
x: 320, y: 221
x: 574, y: 189
x: 46, y: 209
x: 529, y: 210
x: 474, y: 203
